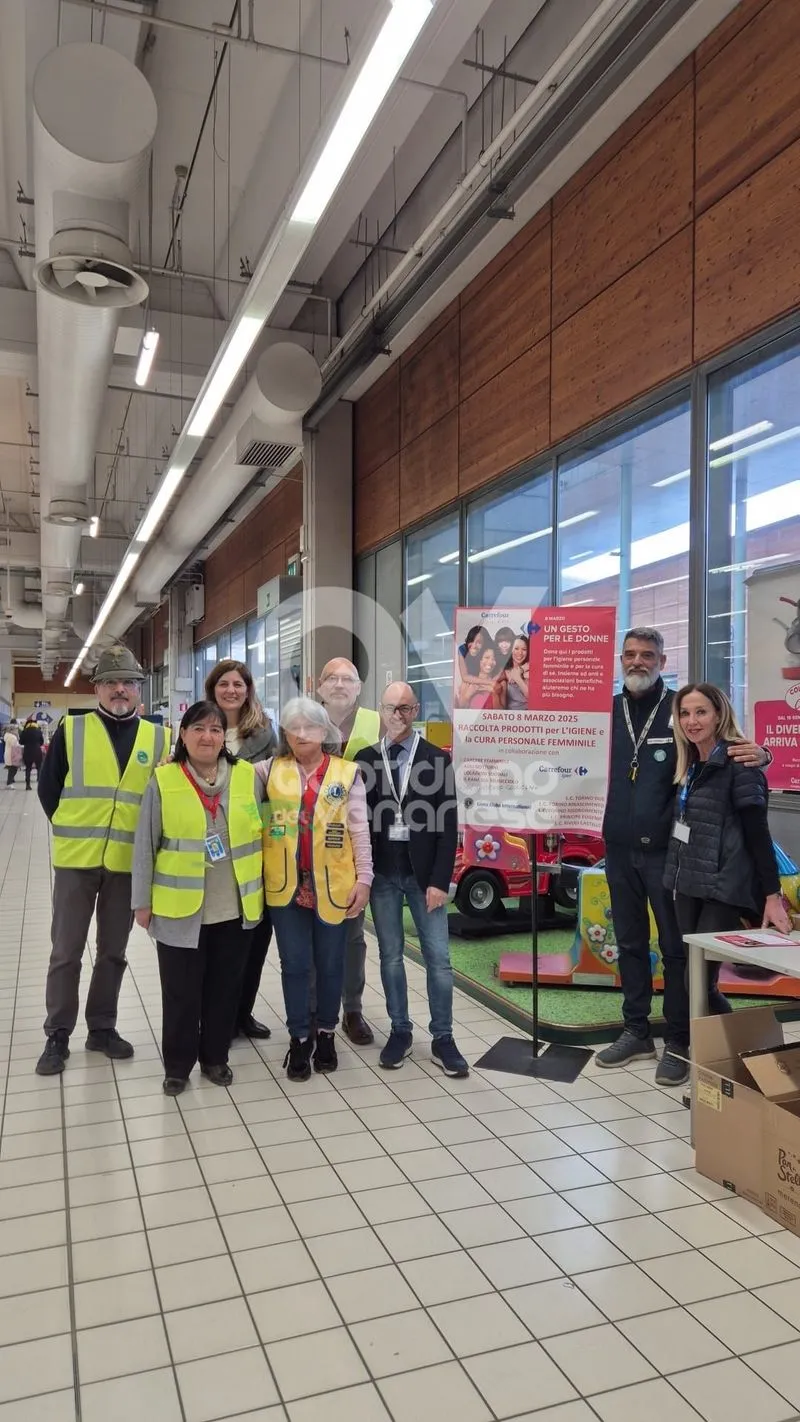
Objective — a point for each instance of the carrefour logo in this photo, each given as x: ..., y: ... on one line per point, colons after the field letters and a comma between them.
x: 581, y: 770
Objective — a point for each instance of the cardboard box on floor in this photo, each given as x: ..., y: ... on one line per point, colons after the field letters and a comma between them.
x: 747, y: 1110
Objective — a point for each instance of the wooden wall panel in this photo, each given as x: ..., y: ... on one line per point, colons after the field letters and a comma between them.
x: 726, y: 30
x: 257, y: 550
x: 650, y: 182
x: 631, y: 338
x: 626, y: 132
x: 376, y: 431
x: 507, y: 420
x: 748, y: 101
x: 510, y: 314
x: 429, y: 470
x: 376, y: 512
x: 429, y: 383
x: 748, y: 256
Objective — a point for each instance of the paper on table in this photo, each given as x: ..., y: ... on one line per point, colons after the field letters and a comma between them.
x: 759, y: 939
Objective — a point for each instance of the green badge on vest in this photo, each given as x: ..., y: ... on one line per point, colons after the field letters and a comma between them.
x: 142, y: 757
x: 277, y: 831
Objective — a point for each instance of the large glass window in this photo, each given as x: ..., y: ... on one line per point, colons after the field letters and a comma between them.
x: 256, y: 656
x: 623, y: 530
x: 208, y: 654
x: 509, y: 546
x: 431, y: 598
x: 754, y: 499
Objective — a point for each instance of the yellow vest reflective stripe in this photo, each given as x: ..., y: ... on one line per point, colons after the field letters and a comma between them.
x: 95, y: 822
x: 333, y: 866
x: 366, y: 732
x: 180, y: 867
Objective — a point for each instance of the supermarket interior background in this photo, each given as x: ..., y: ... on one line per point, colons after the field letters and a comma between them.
x: 319, y: 321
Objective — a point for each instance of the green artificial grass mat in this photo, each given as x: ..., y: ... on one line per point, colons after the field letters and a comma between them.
x: 567, y: 1014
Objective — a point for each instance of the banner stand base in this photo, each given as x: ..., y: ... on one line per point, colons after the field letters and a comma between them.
x: 515, y: 1055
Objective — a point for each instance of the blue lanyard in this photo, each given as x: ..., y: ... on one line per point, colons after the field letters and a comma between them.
x: 686, y: 789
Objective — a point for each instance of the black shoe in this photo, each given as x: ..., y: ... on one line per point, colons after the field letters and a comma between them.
x: 672, y: 1070
x: 54, y: 1056
x: 218, y: 1075
x: 718, y: 1004
x: 359, y: 1031
x: 174, y: 1085
x: 297, y: 1059
x: 325, y: 1058
x: 108, y: 1041
x: 446, y: 1055
x: 627, y: 1048
x: 396, y: 1050
x: 249, y: 1027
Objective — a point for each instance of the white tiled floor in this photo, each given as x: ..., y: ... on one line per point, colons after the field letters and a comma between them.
x: 366, y: 1246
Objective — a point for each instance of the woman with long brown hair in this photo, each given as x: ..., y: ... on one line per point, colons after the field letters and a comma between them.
x: 721, y: 862
x: 249, y: 735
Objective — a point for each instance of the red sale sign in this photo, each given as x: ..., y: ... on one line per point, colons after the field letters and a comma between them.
x: 532, y: 716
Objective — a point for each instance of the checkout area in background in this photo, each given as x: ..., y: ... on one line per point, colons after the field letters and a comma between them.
x: 490, y: 908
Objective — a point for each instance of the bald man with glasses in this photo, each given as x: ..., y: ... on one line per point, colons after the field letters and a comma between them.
x: 339, y: 690
x: 413, y: 813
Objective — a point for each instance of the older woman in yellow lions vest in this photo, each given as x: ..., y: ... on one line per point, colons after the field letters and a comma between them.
x: 197, y: 888
x: 317, y: 872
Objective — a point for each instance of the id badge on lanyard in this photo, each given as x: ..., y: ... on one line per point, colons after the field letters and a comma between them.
x: 215, y: 849
x: 399, y: 832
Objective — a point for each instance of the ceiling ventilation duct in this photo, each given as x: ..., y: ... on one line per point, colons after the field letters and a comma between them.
x: 94, y: 119
x: 264, y: 432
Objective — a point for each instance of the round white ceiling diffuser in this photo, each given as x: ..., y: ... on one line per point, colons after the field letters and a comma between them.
x: 91, y: 269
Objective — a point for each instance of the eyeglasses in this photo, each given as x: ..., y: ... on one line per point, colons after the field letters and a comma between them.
x: 403, y: 710
x: 341, y: 681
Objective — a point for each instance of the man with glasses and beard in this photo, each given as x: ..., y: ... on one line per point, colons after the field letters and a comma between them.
x: 413, y: 812
x: 639, y: 817
x: 339, y: 689
x: 91, y: 786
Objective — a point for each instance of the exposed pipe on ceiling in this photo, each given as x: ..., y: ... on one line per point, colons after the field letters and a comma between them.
x: 94, y: 118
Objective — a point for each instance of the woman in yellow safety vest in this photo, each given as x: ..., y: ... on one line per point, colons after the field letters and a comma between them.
x: 317, y: 872
x: 197, y: 888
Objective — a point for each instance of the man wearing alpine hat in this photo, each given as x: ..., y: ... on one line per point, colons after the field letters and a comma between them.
x: 91, y: 787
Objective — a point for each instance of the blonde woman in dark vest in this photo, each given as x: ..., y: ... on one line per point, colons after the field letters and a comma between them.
x: 317, y: 873
x: 198, y: 890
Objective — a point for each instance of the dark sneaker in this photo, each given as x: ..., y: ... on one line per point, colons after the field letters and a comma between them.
x: 110, y: 1043
x: 325, y: 1058
x: 446, y: 1055
x: 359, y: 1031
x: 218, y: 1075
x: 627, y: 1048
x: 671, y: 1070
x: 250, y: 1027
x: 396, y: 1050
x: 54, y: 1056
x: 298, y: 1059
x: 718, y: 1004
x: 175, y: 1085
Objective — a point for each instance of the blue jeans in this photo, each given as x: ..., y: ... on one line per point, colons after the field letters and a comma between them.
x: 386, y: 902
x: 305, y: 941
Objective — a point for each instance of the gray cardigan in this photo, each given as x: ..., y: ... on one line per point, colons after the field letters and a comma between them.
x: 180, y: 932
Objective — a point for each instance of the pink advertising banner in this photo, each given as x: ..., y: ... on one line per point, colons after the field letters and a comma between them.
x: 532, y: 698
x: 773, y: 670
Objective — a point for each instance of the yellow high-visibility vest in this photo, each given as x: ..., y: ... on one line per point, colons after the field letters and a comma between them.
x: 366, y: 732
x: 98, y: 812
x: 180, y: 868
x: 333, y: 866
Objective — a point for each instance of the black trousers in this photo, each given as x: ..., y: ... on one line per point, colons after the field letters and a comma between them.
x: 200, y: 990
x: 634, y: 880
x: 259, y: 943
x: 29, y: 764
x: 11, y: 773
x: 707, y: 916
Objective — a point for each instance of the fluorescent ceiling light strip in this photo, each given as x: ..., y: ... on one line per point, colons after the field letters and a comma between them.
x: 672, y: 479
x: 146, y: 357
x: 780, y: 438
x: 421, y: 578
x: 242, y: 340
x: 727, y: 440
x: 380, y: 69
x: 162, y: 497
x: 94, y: 526
x: 111, y: 599
x: 450, y: 557
x: 528, y: 537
